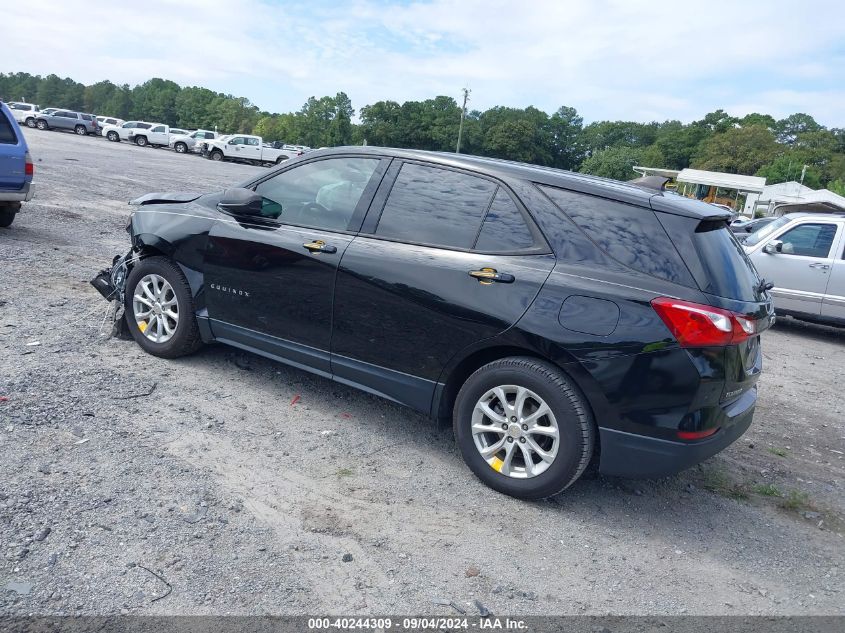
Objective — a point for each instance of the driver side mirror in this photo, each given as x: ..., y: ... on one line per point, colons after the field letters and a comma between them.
x: 775, y: 246
x: 240, y: 201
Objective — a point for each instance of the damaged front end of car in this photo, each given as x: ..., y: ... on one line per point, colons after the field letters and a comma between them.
x: 111, y: 283
x: 165, y: 224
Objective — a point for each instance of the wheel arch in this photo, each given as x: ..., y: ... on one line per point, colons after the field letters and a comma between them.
x: 462, y: 367
x: 152, y: 245
x: 466, y: 363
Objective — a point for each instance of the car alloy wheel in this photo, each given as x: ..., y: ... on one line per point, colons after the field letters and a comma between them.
x: 515, y: 431
x: 80, y: 130
x: 41, y: 125
x: 155, y: 308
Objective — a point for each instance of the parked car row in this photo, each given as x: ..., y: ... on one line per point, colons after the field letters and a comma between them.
x: 245, y: 148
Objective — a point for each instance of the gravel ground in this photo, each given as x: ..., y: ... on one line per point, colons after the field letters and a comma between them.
x: 226, y: 484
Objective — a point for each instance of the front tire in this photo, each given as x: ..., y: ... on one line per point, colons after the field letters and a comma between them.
x: 160, y: 309
x: 113, y: 136
x: 523, y: 427
x: 41, y: 124
x: 216, y: 155
x: 30, y: 122
x: 180, y: 148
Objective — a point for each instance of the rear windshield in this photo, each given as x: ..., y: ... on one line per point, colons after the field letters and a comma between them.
x: 714, y: 256
x: 7, y: 132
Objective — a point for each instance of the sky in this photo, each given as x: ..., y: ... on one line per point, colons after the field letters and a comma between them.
x: 610, y: 59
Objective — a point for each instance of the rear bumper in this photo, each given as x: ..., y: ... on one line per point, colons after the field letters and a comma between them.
x: 19, y: 195
x: 639, y: 456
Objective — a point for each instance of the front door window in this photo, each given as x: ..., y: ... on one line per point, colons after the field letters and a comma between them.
x: 322, y: 194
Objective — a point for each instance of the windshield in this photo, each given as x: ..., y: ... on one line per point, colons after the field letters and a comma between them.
x: 758, y: 236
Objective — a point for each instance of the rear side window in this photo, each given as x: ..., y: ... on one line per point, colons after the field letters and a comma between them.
x: 86, y: 117
x: 429, y: 205
x: 504, y: 228
x: 631, y: 235
x: 7, y: 132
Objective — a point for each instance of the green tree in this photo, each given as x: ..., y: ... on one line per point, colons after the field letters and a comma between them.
x: 605, y: 134
x: 837, y: 186
x: 155, y: 100
x: 380, y: 123
x: 737, y: 150
x: 566, y: 128
x: 789, y: 128
x: 718, y: 121
x: 613, y: 162
x: 756, y: 118
x: 676, y: 144
x: 787, y: 168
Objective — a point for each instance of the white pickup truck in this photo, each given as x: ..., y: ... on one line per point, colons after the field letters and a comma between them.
x: 246, y: 148
x: 157, y: 135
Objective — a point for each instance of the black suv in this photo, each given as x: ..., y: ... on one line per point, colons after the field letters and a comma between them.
x: 554, y: 318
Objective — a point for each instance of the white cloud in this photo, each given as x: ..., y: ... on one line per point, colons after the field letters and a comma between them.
x: 610, y: 59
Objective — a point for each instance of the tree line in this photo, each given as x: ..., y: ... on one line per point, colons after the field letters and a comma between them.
x: 756, y: 144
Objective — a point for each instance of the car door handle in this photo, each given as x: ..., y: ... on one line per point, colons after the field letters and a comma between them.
x: 319, y: 246
x: 489, y: 275
x: 819, y: 265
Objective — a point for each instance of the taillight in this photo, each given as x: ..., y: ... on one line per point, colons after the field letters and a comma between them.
x: 29, y: 168
x: 696, y: 435
x: 696, y: 325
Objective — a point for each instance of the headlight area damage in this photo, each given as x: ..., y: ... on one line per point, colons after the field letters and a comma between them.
x: 111, y: 282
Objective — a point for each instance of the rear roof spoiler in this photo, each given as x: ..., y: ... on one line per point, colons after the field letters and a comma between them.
x: 657, y: 183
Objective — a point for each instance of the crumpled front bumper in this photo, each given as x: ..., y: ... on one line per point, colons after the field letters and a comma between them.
x: 110, y: 282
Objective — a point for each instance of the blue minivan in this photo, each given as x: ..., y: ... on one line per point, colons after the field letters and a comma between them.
x: 16, y: 168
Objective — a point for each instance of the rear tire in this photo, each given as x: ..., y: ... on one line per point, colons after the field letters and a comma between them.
x: 113, y: 136
x: 7, y: 216
x: 141, y: 141
x: 145, y: 308
x: 80, y: 130
x: 565, y: 435
x: 41, y: 124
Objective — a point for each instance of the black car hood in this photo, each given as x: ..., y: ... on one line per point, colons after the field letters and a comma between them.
x: 166, y: 198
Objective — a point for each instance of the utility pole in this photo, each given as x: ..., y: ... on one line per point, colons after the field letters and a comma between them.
x: 466, y: 92
x: 803, y: 173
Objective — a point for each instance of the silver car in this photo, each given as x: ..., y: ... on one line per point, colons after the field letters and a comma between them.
x: 78, y: 122
x: 803, y: 254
